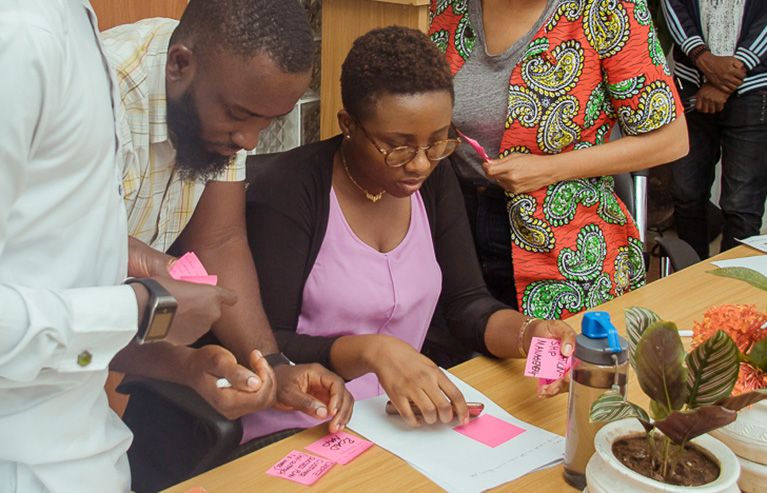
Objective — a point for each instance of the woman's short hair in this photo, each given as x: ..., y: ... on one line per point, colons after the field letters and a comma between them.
x: 391, y: 60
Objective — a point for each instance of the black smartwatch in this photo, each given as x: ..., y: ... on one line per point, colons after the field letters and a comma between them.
x: 277, y: 359
x: 159, y: 311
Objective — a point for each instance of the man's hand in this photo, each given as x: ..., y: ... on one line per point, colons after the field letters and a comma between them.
x: 250, y: 391
x: 724, y: 72
x: 199, y: 306
x: 145, y: 261
x: 316, y: 391
x: 710, y: 99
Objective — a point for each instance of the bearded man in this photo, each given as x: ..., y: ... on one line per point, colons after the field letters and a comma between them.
x: 196, y: 93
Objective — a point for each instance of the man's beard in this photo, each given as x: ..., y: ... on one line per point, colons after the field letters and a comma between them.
x: 193, y: 161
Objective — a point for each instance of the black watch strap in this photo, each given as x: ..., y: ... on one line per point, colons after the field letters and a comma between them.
x: 277, y: 359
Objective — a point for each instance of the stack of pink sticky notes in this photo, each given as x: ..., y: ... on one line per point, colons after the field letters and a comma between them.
x: 303, y: 468
x: 545, y: 361
x: 189, y: 268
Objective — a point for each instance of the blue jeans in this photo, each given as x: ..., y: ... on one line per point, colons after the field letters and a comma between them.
x: 489, y: 220
x: 737, y: 135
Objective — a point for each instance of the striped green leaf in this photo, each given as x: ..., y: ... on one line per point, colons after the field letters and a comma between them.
x: 712, y: 370
x: 612, y: 406
x: 750, y: 276
x: 637, y: 321
x: 660, y: 365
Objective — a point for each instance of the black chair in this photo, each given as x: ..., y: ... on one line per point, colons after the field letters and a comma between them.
x: 177, y: 434
x: 631, y: 188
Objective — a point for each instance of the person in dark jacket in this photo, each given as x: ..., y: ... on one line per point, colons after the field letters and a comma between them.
x: 721, y: 71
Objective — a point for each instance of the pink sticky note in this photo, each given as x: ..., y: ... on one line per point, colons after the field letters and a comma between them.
x: 339, y: 447
x: 489, y: 430
x: 198, y: 489
x: 212, y: 280
x: 187, y: 266
x: 544, y: 359
x: 475, y: 145
x: 301, y: 468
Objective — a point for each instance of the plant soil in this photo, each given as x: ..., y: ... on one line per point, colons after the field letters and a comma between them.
x: 695, y: 468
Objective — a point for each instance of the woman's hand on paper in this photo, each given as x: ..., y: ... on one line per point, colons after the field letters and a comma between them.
x: 408, y: 377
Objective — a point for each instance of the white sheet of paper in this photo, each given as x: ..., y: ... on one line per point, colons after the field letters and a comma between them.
x: 757, y: 263
x: 455, y: 462
x: 758, y: 242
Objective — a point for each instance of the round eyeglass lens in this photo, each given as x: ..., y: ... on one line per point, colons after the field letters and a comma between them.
x: 400, y: 156
x: 441, y: 149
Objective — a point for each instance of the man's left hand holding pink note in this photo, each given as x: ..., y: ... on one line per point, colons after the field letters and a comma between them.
x: 189, y: 268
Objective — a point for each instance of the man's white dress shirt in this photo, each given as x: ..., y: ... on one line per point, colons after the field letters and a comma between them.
x: 63, y: 253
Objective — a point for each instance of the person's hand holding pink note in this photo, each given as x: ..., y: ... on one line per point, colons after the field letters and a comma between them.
x: 545, y: 361
x: 475, y: 145
x: 339, y: 447
x: 301, y: 467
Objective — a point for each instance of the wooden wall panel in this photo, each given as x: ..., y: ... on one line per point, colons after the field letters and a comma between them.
x: 116, y: 12
x: 343, y: 21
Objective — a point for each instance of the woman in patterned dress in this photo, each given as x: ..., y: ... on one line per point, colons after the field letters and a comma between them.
x: 540, y: 84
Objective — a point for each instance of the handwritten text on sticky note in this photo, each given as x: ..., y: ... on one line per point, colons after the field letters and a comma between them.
x: 189, y: 268
x: 489, y: 430
x: 301, y: 468
x: 544, y: 359
x: 339, y: 447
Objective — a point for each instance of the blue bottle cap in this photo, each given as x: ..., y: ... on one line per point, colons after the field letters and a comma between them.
x: 599, y: 339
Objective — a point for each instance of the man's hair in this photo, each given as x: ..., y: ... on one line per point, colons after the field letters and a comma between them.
x: 247, y: 28
x: 391, y: 60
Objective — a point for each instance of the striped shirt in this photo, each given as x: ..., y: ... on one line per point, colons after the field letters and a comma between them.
x: 158, y: 201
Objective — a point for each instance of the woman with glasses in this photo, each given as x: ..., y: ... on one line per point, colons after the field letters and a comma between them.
x: 541, y: 84
x: 356, y: 238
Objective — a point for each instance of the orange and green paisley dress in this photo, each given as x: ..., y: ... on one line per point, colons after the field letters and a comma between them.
x: 593, y: 63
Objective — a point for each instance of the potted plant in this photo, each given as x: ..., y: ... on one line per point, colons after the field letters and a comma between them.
x: 747, y: 436
x: 690, y: 395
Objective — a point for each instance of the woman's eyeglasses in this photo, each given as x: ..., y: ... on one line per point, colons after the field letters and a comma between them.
x: 401, y: 155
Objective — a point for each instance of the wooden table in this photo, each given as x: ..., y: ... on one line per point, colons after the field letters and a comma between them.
x: 682, y: 297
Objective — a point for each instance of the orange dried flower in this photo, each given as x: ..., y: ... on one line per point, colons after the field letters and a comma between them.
x: 750, y: 378
x: 744, y: 323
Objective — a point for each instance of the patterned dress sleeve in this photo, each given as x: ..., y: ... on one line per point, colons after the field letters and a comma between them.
x: 637, y: 78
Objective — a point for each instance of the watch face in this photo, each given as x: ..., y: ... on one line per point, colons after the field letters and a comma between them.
x: 160, y: 324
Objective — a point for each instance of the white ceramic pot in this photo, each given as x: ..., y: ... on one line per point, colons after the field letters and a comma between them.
x: 753, y: 476
x: 606, y: 474
x: 747, y: 437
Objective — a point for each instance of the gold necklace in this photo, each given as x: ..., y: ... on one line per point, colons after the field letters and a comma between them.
x: 371, y: 197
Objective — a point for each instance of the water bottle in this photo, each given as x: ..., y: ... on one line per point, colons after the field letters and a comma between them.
x: 600, y: 362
